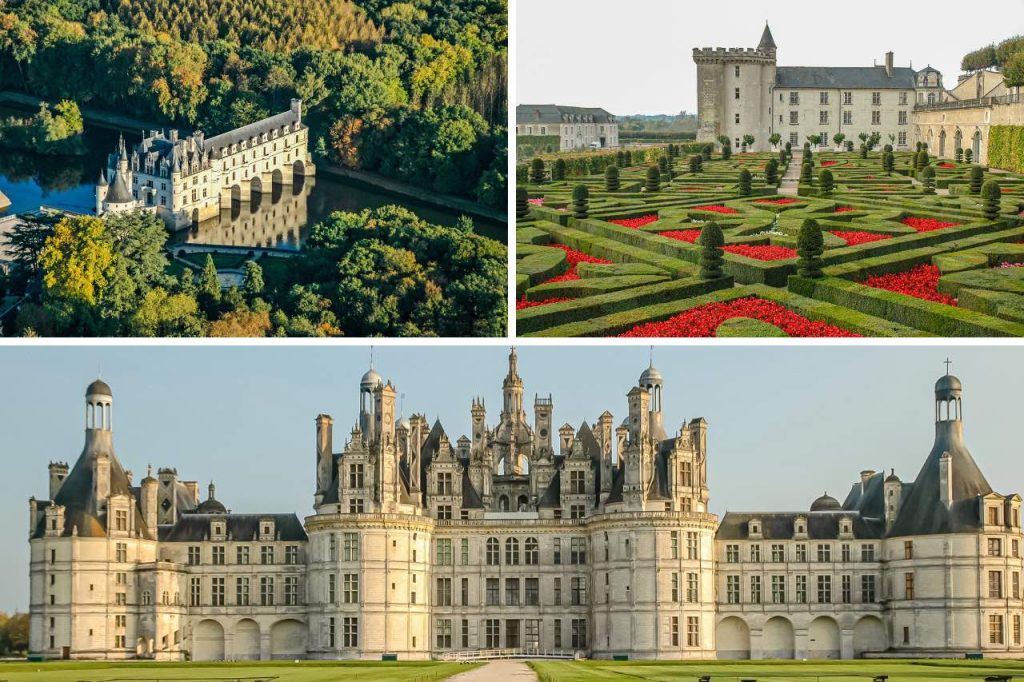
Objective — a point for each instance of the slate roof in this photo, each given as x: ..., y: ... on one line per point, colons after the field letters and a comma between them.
x: 240, y: 527
x: 256, y: 129
x: 119, y: 193
x: 767, y: 41
x: 554, y: 113
x: 552, y: 497
x: 780, y: 525
x: 845, y: 77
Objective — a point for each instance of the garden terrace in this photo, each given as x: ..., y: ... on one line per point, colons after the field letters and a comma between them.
x: 877, y: 228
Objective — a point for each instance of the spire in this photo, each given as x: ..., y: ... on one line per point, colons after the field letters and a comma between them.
x: 767, y: 42
x: 513, y: 364
x: 211, y: 491
x: 103, y: 178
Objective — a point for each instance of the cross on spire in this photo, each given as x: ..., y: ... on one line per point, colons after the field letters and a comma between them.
x: 948, y: 362
x: 371, y: 357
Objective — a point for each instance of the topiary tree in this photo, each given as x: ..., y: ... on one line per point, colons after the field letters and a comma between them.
x: 744, y: 183
x: 888, y: 162
x: 558, y: 169
x: 923, y: 159
x: 748, y: 141
x: 863, y: 151
x: 928, y: 179
x: 671, y: 151
x: 849, y: 145
x: 537, y: 175
x: 522, y: 202
x: 887, y: 148
x: 771, y: 172
x: 977, y: 175
x: 968, y: 155
x: 653, y: 183
x: 665, y: 167
x: 838, y: 139
x: 991, y: 195
x: 789, y: 148
x: 711, y: 241
x: 695, y: 163
x: 783, y: 157
x: 805, y: 174
x: 580, y: 202
x: 774, y: 139
x: 826, y: 183
x: 706, y: 151
x: 611, y: 178
x: 959, y: 155
x: 726, y: 152
x: 808, y: 156
x: 810, y: 244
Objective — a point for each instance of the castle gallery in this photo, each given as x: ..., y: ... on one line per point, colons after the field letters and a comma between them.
x: 593, y: 541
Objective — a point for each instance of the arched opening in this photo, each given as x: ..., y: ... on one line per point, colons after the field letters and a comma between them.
x: 522, y: 503
x: 823, y: 638
x: 288, y: 639
x: 246, y: 641
x: 503, y: 503
x: 298, y: 168
x: 298, y: 182
x: 256, y: 185
x: 958, y: 140
x: 733, y: 638
x: 208, y: 641
x: 236, y: 194
x: 869, y: 635
x: 976, y: 146
x: 942, y: 143
x: 777, y: 640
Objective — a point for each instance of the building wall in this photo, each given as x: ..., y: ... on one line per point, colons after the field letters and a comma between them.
x: 809, y: 111
x: 972, y: 123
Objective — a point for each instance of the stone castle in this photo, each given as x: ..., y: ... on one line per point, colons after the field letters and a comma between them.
x: 188, y: 180
x: 593, y: 541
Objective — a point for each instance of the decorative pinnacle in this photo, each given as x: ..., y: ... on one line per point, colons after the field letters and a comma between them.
x: 948, y: 362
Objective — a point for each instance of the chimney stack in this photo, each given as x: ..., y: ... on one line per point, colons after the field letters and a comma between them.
x: 888, y: 64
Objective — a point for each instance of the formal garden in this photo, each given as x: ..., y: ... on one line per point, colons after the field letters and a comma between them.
x: 694, y: 240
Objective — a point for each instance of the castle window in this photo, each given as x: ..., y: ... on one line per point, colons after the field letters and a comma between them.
x: 266, y: 554
x: 465, y: 592
x: 577, y: 551
x: 512, y: 551
x: 824, y: 553
x: 557, y: 591
x: 195, y: 592
x: 675, y: 586
x: 794, y: 98
x: 577, y: 483
x: 291, y: 591
x: 845, y: 550
x: 876, y: 118
x: 908, y: 585
x: 332, y: 588
x: 577, y: 511
x: 687, y: 475
x: 778, y: 589
x: 242, y: 591
x: 867, y: 589
x: 675, y: 630
x: 908, y: 549
x: 737, y: 118
x: 266, y: 591
x: 121, y: 520
x: 693, y: 631
x: 732, y: 554
x: 242, y: 555
x: 931, y: 98
x: 578, y: 591
x: 291, y: 554
x: 732, y: 589
x: 823, y: 98
x: 794, y: 118
x: 217, y: 592
x: 824, y: 589
x: 464, y: 558
x: 801, y: 553
x: 218, y: 556
x: 444, y: 551
x: 800, y: 584
x: 692, y: 588
x: 355, y: 506
x: 755, y: 589
x: 443, y: 593
x: 903, y: 99
x: 194, y: 556
x: 847, y: 118
x: 147, y: 598
x: 556, y: 551
x: 876, y: 99
x: 492, y: 633
x: 493, y: 553
x: 995, y: 628
x: 349, y: 632
x: 867, y: 552
x: 1015, y: 548
x: 444, y: 483
x: 737, y: 93
x: 993, y: 516
x: 737, y: 71
x: 444, y: 512
x: 350, y: 547
x: 531, y: 552
x: 995, y: 584
x: 778, y: 553
x: 1016, y: 629
x: 846, y: 589
x: 902, y: 118
x: 492, y: 597
x: 902, y: 139
x: 444, y: 633
x: 995, y: 547
x: 755, y: 553
x: 674, y: 543
x: 532, y: 592
x: 823, y: 118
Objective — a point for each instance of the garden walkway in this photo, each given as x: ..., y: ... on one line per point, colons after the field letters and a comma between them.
x: 791, y: 180
x: 505, y: 670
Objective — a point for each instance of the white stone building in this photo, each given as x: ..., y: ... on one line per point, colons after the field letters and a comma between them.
x: 743, y: 91
x: 187, y: 180
x: 575, y: 127
x: 597, y: 541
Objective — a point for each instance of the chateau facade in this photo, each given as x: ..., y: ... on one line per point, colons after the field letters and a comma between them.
x: 594, y: 541
x: 743, y: 91
x: 575, y: 127
x: 188, y: 180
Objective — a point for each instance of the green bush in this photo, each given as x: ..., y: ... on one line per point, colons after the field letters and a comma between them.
x: 783, y: 156
x: 805, y: 174
x: 706, y: 151
x: 522, y: 202
x: 664, y: 167
x: 558, y: 170
x: 928, y: 179
x: 726, y: 152
x: 695, y: 164
x: 991, y: 195
x: 889, y: 162
x: 968, y: 155
x: 771, y: 172
x: 959, y: 155
x: 653, y: 183
x: 537, y: 175
x: 611, y: 178
x: 1006, y: 148
x: 826, y: 182
x: 580, y: 202
x: 711, y: 241
x: 810, y: 245
x: 744, y: 183
x: 977, y: 175
x: 863, y: 151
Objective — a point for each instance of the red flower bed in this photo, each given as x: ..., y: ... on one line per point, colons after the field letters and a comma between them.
x: 574, y: 258
x: 702, y: 321
x: 523, y: 304
x: 826, y: 164
x: 536, y: 202
x: 1005, y: 190
x: 682, y: 235
x: 778, y: 202
x: 634, y: 223
x: 926, y: 224
x: 947, y: 165
x: 920, y: 282
x: 843, y: 209
x: 715, y: 208
x: 761, y: 252
x: 854, y: 238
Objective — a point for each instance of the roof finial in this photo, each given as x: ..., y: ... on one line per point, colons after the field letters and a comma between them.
x: 371, y: 357
x: 650, y: 362
x: 948, y: 362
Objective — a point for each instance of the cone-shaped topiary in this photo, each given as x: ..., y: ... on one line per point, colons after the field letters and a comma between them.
x: 789, y: 147
x: 580, y: 201
x: 977, y: 175
x: 863, y: 151
x: 805, y: 174
x: 711, y: 241
x: 537, y: 175
x: 959, y: 155
x: 726, y: 152
x: 991, y: 195
x: 924, y: 160
x: 611, y: 178
x: 771, y: 172
x: 968, y: 155
x: 810, y: 244
x: 826, y: 182
x: 887, y: 148
x: 522, y: 202
x: 653, y: 183
x: 928, y: 179
x: 695, y: 163
x: 706, y: 151
x: 744, y: 183
x: 888, y: 162
x: 782, y: 156
x: 665, y: 167
x: 558, y: 170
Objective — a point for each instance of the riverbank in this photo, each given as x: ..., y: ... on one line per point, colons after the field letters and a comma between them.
x: 94, y: 117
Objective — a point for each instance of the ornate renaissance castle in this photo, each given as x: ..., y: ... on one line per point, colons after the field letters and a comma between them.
x: 595, y: 542
x: 743, y: 91
x: 187, y: 180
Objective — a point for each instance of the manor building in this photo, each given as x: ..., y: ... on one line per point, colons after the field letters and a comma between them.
x: 575, y: 128
x: 188, y: 180
x: 594, y: 540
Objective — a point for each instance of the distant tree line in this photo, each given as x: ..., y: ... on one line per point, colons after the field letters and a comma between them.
x: 13, y: 634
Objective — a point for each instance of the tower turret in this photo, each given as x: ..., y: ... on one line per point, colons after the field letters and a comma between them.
x: 512, y: 388
x: 324, y: 455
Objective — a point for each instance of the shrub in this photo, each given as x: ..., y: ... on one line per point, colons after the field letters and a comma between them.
x: 537, y: 175
x: 959, y: 154
x: 580, y: 202
x: 711, y: 241
x: 928, y: 179
x: 887, y: 148
x: 726, y: 152
x: 805, y: 174
x: 771, y: 172
x: 923, y: 160
x: 826, y: 181
x: 695, y: 164
x: 1006, y: 148
x: 558, y: 170
x: 522, y: 202
x: 665, y: 167
x: 706, y: 150
x: 968, y: 155
x: 889, y: 162
x: 789, y: 148
x: 611, y: 178
x: 863, y: 151
x: 977, y: 175
x: 991, y: 194
x: 782, y: 156
x: 849, y: 145
x: 744, y: 183
x: 653, y: 183
x: 810, y: 245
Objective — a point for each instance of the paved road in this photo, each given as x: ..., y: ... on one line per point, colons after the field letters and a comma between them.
x: 505, y: 670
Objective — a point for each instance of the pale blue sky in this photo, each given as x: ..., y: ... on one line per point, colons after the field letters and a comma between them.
x: 637, y: 57
x: 786, y: 423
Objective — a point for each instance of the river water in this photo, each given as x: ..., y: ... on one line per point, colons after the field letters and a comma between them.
x: 280, y: 220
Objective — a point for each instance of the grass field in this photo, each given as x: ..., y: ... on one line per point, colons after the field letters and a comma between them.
x: 777, y: 671
x: 271, y: 671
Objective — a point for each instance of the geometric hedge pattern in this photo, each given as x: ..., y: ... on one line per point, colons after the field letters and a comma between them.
x: 897, y: 261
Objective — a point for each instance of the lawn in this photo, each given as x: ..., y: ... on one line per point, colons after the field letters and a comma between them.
x: 282, y: 671
x: 776, y: 671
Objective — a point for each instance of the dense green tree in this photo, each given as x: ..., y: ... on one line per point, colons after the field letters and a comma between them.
x: 774, y: 139
x: 522, y: 202
x: 888, y: 162
x: 558, y: 170
x: 695, y: 164
x: 863, y: 151
x: 653, y: 183
x: 744, y: 182
x: 711, y: 241
x: 805, y: 174
x: 706, y: 151
x: 810, y: 247
x: 580, y: 202
x: 977, y: 176
x: 537, y: 175
x: 209, y: 293
x: 252, y: 279
x: 959, y: 155
x: 771, y: 172
x: 611, y: 178
x: 968, y: 155
x: 726, y: 152
x: 826, y: 182
x: 991, y: 196
x: 928, y: 180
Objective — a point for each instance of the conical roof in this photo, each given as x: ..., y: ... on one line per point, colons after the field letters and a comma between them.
x: 119, y: 192
x: 767, y: 41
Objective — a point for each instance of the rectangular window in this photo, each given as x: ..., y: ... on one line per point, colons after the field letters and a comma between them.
x: 693, y: 631
x: 902, y: 137
x: 350, y: 547
x: 532, y: 592
x: 995, y: 628
x: 492, y: 592
x: 558, y: 592
x: 355, y: 476
x: 291, y: 555
x: 908, y: 549
x: 755, y: 589
x: 444, y: 486
x: 824, y: 589
x: 902, y: 118
x: 578, y: 591
x: 846, y: 588
x: 579, y: 633
x: 1016, y: 629
x: 876, y: 118
x: 778, y: 554
x: 121, y: 519
x: 908, y: 585
x: 577, y: 511
x: 737, y: 94
x: 242, y: 591
x: 847, y: 98
x: 737, y: 117
x: 465, y: 633
x: 291, y: 591
x: 218, y: 556
x: 443, y: 593
x: 801, y: 553
x: 823, y: 118
x: 847, y: 118
x: 578, y: 551
x: 732, y: 554
x: 794, y: 138
x: 444, y: 551
x: 867, y: 552
x: 492, y: 633
x: 794, y: 118
x: 732, y: 589
x: 867, y: 589
x: 464, y: 592
x: 995, y: 584
x: 332, y: 588
x: 195, y: 592
x: 266, y: 554
x: 444, y: 633
x: 778, y: 589
x: 755, y: 553
x: 674, y: 544
x: 737, y: 71
x: 194, y: 556
x: 349, y: 632
x: 556, y: 551
x: 876, y: 99
x: 692, y: 546
x: 1015, y: 584
x: 674, y: 629
x: 824, y: 553
x: 794, y: 98
x: 675, y: 587
x: 823, y: 98
x: 350, y: 588
x: 242, y: 555
x: 995, y: 547
x: 355, y: 506
x: 266, y: 591
x: 692, y: 588
x: 903, y: 99
x: 217, y: 592
x: 464, y: 552
x: 845, y: 552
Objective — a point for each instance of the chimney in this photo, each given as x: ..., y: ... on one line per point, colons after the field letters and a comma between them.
x: 324, y: 453
x: 865, y: 476
x: 946, y: 479
x: 193, y: 490
x: 296, y: 107
x: 58, y: 472
x: 888, y: 64
x: 149, y: 508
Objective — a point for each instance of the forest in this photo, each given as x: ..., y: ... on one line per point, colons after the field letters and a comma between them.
x: 416, y: 90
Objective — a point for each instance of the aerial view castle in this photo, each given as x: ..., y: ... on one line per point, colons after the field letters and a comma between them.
x: 187, y: 180
x: 594, y: 540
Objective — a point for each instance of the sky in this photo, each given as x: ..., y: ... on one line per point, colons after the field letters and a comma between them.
x: 636, y: 57
x: 785, y: 423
